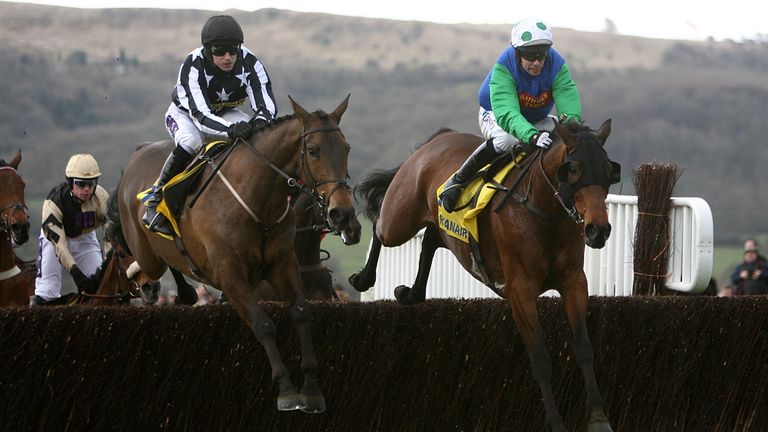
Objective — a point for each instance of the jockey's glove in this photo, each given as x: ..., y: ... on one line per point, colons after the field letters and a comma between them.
x: 541, y: 139
x: 258, y: 123
x: 83, y: 282
x: 241, y: 129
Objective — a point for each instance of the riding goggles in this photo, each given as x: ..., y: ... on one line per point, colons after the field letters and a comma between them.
x: 225, y: 49
x: 84, y: 183
x: 534, y: 55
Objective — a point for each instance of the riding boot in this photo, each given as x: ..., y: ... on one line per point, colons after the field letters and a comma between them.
x: 481, y: 157
x: 176, y: 162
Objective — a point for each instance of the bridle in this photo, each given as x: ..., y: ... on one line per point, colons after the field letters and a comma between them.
x: 123, y: 296
x: 5, y: 217
x: 564, y: 191
x: 310, y: 188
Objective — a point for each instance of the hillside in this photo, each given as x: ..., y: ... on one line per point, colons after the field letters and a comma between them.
x: 99, y: 81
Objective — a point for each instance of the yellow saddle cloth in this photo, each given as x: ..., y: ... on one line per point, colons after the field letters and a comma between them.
x: 462, y: 223
x: 176, y: 190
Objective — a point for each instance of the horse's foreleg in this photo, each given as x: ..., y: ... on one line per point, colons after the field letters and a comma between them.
x: 242, y: 297
x: 418, y: 293
x: 186, y: 292
x: 527, y: 322
x: 365, y: 278
x: 312, y: 396
x: 576, y: 309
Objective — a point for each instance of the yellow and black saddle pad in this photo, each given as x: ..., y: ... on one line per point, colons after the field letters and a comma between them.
x: 177, y: 189
x: 462, y: 223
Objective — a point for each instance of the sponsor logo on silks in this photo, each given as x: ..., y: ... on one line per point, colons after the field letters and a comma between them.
x: 454, y: 228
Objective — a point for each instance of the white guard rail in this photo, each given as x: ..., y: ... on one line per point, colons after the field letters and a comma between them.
x: 609, y: 270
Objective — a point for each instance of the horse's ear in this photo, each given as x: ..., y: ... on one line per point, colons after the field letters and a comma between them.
x: 568, y: 138
x: 604, y: 131
x: 16, y: 160
x: 339, y: 111
x: 300, y: 112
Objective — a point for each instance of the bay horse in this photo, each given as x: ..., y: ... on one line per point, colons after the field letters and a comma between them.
x: 14, y: 229
x: 530, y: 245
x: 241, y: 230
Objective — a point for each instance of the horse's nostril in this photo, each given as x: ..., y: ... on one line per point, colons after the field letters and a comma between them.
x: 336, y: 216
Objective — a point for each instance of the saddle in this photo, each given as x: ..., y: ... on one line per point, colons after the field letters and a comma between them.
x: 176, y: 191
x: 462, y: 223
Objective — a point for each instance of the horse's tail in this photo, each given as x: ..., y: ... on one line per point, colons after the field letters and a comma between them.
x: 372, y: 190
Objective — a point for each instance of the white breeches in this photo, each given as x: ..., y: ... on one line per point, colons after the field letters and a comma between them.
x: 86, y: 251
x: 188, y: 133
x: 503, y: 141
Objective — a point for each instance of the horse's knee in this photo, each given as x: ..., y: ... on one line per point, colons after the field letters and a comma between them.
x: 300, y: 312
x: 264, y: 330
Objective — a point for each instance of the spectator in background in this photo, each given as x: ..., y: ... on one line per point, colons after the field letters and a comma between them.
x: 750, y: 244
x: 751, y: 276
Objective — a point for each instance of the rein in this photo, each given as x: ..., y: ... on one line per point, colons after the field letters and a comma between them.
x: 571, y: 211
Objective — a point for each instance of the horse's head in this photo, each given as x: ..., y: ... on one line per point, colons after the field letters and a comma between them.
x: 323, y: 167
x: 122, y: 278
x: 584, y: 176
x: 14, y: 218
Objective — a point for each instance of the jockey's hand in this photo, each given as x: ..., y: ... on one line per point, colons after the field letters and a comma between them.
x: 258, y: 123
x: 240, y: 130
x: 541, y: 140
x: 83, y: 282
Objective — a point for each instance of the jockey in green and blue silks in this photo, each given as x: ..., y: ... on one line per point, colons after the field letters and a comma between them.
x: 527, y: 81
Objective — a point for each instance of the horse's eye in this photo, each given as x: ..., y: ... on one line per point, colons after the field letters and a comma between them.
x: 575, y: 170
x: 313, y: 151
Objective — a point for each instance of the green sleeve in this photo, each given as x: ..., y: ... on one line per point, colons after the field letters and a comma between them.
x: 506, y: 106
x: 566, y: 95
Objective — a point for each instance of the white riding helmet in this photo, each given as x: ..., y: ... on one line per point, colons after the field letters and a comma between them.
x: 530, y: 32
x: 82, y: 166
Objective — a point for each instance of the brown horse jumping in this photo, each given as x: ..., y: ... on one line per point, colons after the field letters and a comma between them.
x: 527, y: 246
x: 241, y: 230
x: 14, y: 228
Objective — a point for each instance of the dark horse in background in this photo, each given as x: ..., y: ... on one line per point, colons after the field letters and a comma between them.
x: 241, y: 230
x: 311, y: 228
x: 530, y: 245
x: 16, y: 285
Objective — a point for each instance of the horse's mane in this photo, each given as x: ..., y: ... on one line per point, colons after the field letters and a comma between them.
x: 433, y: 136
x: 575, y: 127
x: 113, y: 229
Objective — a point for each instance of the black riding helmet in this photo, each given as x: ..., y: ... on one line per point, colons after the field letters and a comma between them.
x: 221, y: 29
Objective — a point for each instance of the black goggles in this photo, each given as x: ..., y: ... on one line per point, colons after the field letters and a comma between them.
x: 225, y: 49
x: 84, y: 183
x: 534, y: 55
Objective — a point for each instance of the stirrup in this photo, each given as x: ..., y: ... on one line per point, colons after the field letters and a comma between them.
x: 160, y: 225
x: 449, y: 196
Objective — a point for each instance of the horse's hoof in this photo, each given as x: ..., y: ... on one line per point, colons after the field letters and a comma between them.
x: 402, y: 294
x: 356, y: 283
x: 313, y: 404
x: 291, y: 402
x: 600, y: 427
x: 598, y: 422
